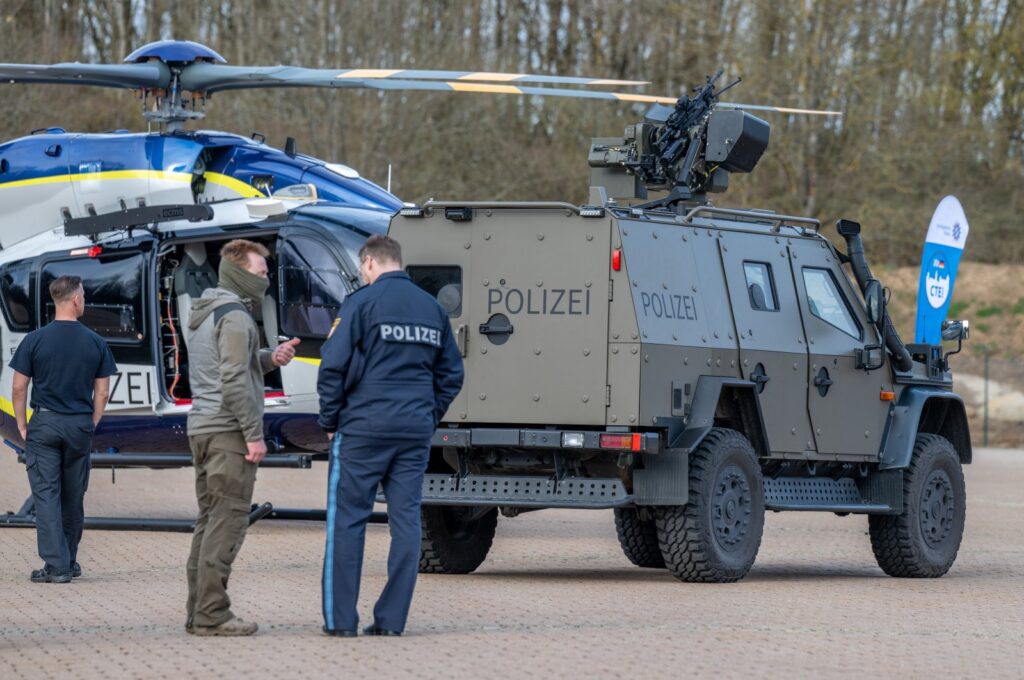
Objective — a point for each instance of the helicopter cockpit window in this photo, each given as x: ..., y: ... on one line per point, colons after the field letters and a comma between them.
x: 443, y: 282
x: 16, y: 294
x: 312, y: 288
x: 113, y: 295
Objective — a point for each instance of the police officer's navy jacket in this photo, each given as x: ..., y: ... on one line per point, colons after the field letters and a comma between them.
x: 391, y: 367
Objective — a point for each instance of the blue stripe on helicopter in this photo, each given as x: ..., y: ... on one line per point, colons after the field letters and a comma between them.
x: 56, y: 157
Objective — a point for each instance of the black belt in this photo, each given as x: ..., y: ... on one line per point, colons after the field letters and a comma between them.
x: 43, y: 409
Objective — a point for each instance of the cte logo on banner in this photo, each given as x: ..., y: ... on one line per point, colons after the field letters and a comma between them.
x: 423, y: 335
x: 940, y: 259
x: 937, y: 282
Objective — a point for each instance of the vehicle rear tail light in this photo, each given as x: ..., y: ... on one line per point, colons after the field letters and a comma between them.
x: 617, y: 259
x: 630, y: 442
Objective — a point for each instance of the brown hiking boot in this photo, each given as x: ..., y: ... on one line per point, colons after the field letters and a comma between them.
x: 232, y: 627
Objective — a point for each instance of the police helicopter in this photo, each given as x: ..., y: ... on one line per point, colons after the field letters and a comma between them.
x: 141, y: 218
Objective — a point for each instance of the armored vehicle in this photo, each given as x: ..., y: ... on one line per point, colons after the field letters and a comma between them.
x: 687, y: 365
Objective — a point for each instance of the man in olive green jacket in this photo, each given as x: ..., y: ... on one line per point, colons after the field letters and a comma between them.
x: 225, y: 428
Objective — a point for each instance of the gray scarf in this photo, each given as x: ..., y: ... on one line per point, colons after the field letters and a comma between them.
x: 243, y: 283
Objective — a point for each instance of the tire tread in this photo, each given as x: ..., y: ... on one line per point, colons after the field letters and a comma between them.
x: 441, y: 555
x: 892, y: 536
x: 682, y: 530
x: 638, y: 538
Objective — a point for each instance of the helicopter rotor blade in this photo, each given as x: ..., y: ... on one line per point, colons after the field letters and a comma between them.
x: 129, y: 76
x: 777, y: 109
x: 216, y: 77
x: 486, y: 76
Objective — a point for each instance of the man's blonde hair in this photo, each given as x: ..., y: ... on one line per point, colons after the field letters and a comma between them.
x: 237, y: 251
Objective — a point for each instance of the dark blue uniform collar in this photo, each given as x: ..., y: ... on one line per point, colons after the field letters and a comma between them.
x: 392, y: 275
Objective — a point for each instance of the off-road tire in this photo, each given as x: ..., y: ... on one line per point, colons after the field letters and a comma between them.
x: 923, y: 541
x: 452, y: 545
x: 638, y: 538
x: 715, y: 537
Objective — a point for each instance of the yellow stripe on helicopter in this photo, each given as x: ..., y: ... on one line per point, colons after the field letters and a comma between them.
x: 236, y: 185
x: 483, y: 87
x: 107, y: 175
x: 647, y: 98
x: 7, y: 406
x: 226, y: 181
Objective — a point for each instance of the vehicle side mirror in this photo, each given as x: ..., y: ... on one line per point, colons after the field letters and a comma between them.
x: 874, y: 301
x: 956, y: 329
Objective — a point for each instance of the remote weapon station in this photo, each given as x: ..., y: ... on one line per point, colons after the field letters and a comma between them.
x: 686, y: 365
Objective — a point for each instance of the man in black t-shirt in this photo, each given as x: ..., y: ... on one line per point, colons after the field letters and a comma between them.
x: 69, y: 367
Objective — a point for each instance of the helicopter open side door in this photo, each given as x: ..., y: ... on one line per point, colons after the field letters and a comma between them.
x: 313, y: 278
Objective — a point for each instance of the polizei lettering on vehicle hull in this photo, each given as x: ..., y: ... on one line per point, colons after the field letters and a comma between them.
x: 669, y: 306
x: 547, y: 301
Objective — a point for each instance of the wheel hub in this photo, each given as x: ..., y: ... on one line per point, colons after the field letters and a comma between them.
x: 938, y: 508
x: 731, y: 507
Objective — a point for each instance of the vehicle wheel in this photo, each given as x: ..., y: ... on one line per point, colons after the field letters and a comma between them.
x: 455, y: 539
x: 714, y: 538
x: 923, y: 541
x: 638, y: 538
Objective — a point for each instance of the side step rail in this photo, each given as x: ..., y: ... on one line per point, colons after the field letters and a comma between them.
x: 876, y: 494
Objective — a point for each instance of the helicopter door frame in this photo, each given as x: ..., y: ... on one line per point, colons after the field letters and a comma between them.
x: 314, y: 324
x: 135, y: 385
x: 164, y: 402
x: 300, y: 313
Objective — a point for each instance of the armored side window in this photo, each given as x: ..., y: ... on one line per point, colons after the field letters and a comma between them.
x: 827, y: 303
x: 312, y: 288
x: 443, y: 282
x: 113, y: 295
x: 16, y: 295
x: 760, y: 286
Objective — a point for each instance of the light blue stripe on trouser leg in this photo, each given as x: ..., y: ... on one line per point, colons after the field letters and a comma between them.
x: 332, y: 511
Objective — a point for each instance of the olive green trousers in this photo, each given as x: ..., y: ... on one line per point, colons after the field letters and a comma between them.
x: 224, y: 486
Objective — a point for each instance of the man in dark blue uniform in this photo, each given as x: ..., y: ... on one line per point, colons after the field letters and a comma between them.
x: 69, y: 367
x: 390, y: 369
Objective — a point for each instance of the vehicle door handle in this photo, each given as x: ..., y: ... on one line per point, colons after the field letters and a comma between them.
x: 759, y: 377
x: 496, y: 329
x: 822, y: 381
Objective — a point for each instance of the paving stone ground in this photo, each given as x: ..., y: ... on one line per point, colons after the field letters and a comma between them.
x: 556, y: 598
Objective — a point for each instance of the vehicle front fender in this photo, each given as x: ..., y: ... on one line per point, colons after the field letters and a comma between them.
x: 925, y: 409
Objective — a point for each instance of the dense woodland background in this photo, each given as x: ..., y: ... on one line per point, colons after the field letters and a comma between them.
x: 932, y: 91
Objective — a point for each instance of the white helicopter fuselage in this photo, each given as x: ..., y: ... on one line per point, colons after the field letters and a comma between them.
x: 137, y: 297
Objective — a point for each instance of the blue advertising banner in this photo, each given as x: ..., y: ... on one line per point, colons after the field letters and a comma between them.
x: 947, y: 235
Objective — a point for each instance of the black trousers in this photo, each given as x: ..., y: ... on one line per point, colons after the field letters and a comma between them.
x: 57, y: 461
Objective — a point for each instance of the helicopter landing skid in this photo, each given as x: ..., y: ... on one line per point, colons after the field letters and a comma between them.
x: 25, y: 517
